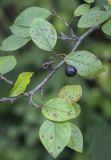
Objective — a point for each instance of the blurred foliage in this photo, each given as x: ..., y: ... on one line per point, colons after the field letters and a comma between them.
x: 19, y: 122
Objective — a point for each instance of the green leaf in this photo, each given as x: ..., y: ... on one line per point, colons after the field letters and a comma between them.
x: 76, y: 139
x: 77, y: 109
x: 93, y: 18
x: 93, y: 9
x: 106, y: 28
x: 89, y: 1
x: 20, y: 31
x: 58, y: 109
x: 82, y: 9
x: 27, y: 16
x: 107, y: 7
x: 7, y: 63
x: 43, y: 34
x: 72, y: 93
x: 13, y: 43
x: 87, y: 64
x: 55, y: 136
x: 21, y: 84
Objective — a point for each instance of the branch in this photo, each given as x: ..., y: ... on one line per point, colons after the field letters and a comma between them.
x: 70, y: 28
x: 6, y: 80
x: 46, y: 79
x: 63, y: 61
x: 83, y: 36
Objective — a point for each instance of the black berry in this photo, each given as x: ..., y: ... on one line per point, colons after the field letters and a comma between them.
x: 70, y: 71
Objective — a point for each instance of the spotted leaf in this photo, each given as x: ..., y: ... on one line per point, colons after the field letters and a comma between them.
x: 93, y: 18
x: 58, y: 109
x: 86, y: 63
x: 55, y: 136
x: 43, y: 34
x: 72, y: 93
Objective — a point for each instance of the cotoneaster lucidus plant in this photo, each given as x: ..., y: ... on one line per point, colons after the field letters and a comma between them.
x: 57, y: 132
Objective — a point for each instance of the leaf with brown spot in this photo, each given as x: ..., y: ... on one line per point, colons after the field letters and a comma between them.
x: 59, y: 109
x: 60, y: 132
x: 43, y: 34
x: 72, y: 93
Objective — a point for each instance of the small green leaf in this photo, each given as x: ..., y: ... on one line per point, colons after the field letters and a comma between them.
x: 77, y: 109
x: 106, y: 28
x: 72, y: 93
x: 27, y: 16
x: 76, y: 139
x: 55, y: 136
x: 87, y: 64
x: 89, y: 1
x: 59, y: 110
x: 7, y: 63
x: 93, y: 18
x: 43, y: 34
x: 21, y: 84
x: 82, y: 9
x: 20, y: 31
x: 13, y: 43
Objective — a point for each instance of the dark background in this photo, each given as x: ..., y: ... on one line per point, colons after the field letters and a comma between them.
x: 19, y: 122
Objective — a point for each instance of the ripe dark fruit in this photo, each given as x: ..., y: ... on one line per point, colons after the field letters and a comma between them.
x: 70, y: 71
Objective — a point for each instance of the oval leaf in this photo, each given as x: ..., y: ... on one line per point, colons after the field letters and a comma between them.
x: 21, y: 84
x: 43, y: 34
x: 27, y: 16
x: 72, y: 93
x: 93, y: 18
x: 59, y: 110
x: 82, y: 9
x: 7, y: 63
x: 20, y: 31
x: 76, y: 139
x: 87, y: 64
x: 55, y: 136
x: 106, y: 28
x: 13, y: 43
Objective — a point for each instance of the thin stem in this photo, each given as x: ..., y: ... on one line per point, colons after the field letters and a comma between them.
x: 6, y: 80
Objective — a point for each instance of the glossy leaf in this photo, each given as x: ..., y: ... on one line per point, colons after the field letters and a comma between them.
x: 43, y: 34
x: 87, y: 64
x: 93, y: 18
x: 72, y: 93
x: 27, y: 16
x: 76, y: 139
x: 59, y: 110
x: 13, y: 43
x: 20, y: 31
x: 82, y: 9
x: 7, y: 63
x: 21, y: 84
x: 55, y: 136
x: 106, y: 28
